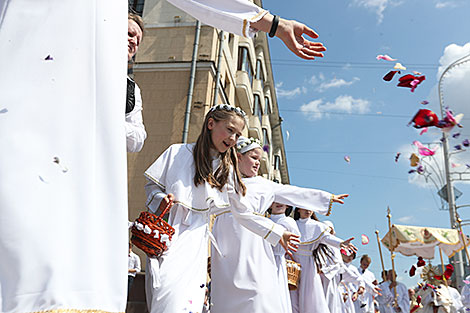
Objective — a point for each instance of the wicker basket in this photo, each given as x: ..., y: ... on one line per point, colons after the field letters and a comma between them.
x: 151, y: 233
x: 293, y: 274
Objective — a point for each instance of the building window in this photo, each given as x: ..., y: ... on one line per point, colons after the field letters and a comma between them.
x: 267, y: 106
x: 259, y: 72
x: 257, y: 109
x: 244, y: 63
x: 277, y: 162
x: 265, y: 137
x: 137, y: 6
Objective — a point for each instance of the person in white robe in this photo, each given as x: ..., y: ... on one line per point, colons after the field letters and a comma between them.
x: 63, y: 185
x: 309, y: 296
x: 331, y: 278
x: 244, y: 273
x: 391, y: 302
x: 175, y: 280
x: 365, y: 302
x: 280, y: 216
x: 457, y: 305
x: 465, y: 297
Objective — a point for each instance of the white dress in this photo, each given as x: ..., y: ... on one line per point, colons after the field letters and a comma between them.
x: 352, y: 280
x: 466, y: 298
x: 309, y: 296
x: 365, y: 302
x: 63, y: 227
x: 175, y: 281
x: 330, y: 277
x: 387, y: 300
x: 279, y: 255
x: 244, y: 273
x: 457, y: 305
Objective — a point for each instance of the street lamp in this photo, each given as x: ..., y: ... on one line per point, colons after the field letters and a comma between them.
x: 458, y: 261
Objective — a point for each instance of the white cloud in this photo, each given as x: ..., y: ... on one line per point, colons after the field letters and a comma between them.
x: 336, y: 83
x: 377, y: 6
x: 318, y: 109
x: 406, y: 219
x: 446, y: 4
x: 282, y: 93
x: 314, y: 80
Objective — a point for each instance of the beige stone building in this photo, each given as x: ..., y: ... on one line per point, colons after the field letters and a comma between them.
x: 162, y: 70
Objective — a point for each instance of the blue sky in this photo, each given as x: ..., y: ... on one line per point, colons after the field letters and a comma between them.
x: 352, y: 111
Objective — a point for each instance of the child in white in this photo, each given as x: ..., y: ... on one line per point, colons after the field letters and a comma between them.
x: 202, y: 179
x: 309, y: 296
x: 244, y: 272
x: 278, y: 215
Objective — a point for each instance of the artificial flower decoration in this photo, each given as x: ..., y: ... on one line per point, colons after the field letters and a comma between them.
x: 397, y: 156
x: 424, y: 102
x: 420, y: 169
x: 450, y: 121
x: 425, y: 118
x: 466, y: 143
x: 389, y: 76
x: 425, y: 130
x: 458, y: 147
x: 412, y: 271
x: 421, y: 262
x: 424, y: 151
x: 410, y: 81
x: 456, y: 135
x: 385, y: 57
x: 414, y: 160
x: 364, y: 239
x: 400, y: 67
x: 347, y: 158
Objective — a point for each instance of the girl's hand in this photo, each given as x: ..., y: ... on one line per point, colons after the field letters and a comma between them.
x: 360, y: 290
x: 354, y: 297
x: 167, y: 201
x: 339, y: 198
x: 290, y: 32
x: 289, y: 242
x: 377, y: 291
x: 348, y: 245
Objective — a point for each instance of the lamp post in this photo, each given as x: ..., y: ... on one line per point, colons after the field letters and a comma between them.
x: 458, y: 261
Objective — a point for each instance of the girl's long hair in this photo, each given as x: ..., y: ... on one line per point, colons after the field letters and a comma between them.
x: 322, y: 253
x: 203, y: 161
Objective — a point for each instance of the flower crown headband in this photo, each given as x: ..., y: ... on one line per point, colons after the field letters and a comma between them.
x: 246, y: 144
x: 227, y: 107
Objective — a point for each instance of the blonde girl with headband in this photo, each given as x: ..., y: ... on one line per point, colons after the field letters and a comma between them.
x: 244, y: 272
x: 309, y: 295
x: 200, y: 179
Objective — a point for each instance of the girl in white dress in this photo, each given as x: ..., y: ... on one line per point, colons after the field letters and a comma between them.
x: 280, y: 215
x: 244, y: 273
x: 309, y: 296
x: 202, y: 179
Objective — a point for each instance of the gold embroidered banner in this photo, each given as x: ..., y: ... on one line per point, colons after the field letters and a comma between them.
x: 421, y: 241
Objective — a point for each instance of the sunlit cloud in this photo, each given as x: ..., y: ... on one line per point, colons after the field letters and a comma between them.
x: 345, y: 104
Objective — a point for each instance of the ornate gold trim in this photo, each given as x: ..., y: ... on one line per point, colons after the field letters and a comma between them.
x: 330, y: 205
x: 245, y: 21
x: 316, y: 239
x: 269, y: 232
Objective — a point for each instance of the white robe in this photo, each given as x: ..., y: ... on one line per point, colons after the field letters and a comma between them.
x: 279, y: 255
x: 63, y: 234
x: 457, y: 305
x: 330, y: 277
x: 234, y: 16
x: 309, y: 296
x: 387, y: 300
x: 244, y: 275
x: 352, y: 281
x: 365, y: 302
x: 466, y: 297
x: 175, y: 281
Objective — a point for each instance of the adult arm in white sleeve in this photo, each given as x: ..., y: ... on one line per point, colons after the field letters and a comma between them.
x: 234, y: 16
x: 135, y: 129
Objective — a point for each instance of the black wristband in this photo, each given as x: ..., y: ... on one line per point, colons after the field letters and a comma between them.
x: 274, y: 25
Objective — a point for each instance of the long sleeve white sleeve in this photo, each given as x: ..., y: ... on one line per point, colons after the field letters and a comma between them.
x: 135, y: 129
x: 234, y: 16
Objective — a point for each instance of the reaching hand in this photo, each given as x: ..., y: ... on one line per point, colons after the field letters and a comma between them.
x: 354, y: 297
x: 377, y: 291
x: 348, y: 245
x: 339, y: 198
x: 290, y: 242
x: 290, y: 32
x: 360, y: 290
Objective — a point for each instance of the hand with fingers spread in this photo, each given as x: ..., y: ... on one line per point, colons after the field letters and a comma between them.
x: 289, y: 242
x: 347, y: 245
x: 360, y: 290
x: 339, y: 198
x: 292, y: 34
